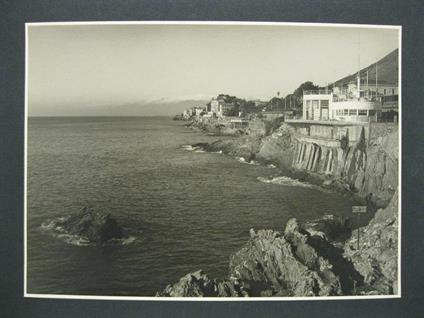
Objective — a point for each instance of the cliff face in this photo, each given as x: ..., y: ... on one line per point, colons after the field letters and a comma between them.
x: 376, y: 258
x: 369, y: 169
x: 279, y: 148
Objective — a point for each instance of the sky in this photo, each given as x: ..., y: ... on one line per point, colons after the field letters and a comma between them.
x: 84, y: 69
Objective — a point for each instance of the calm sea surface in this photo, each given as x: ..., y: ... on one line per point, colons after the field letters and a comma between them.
x: 191, y: 210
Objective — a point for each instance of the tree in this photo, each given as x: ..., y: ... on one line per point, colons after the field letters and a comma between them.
x: 295, y: 100
x: 306, y: 86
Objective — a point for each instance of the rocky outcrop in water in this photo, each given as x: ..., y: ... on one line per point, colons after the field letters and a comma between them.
x: 96, y: 227
x: 245, y: 147
x: 377, y: 257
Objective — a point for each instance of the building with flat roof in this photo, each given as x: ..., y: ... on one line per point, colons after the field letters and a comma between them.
x: 324, y: 105
x: 358, y: 101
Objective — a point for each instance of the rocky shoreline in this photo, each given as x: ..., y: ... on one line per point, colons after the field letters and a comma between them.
x: 317, y: 258
x: 368, y: 171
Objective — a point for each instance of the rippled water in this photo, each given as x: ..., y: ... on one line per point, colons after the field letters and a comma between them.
x: 192, y: 209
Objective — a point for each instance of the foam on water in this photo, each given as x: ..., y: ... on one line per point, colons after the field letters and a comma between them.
x: 73, y: 239
x: 289, y: 182
x: 189, y: 147
x: 60, y: 233
x: 251, y: 162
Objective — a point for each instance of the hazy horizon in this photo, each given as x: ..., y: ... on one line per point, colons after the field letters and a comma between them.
x: 150, y: 70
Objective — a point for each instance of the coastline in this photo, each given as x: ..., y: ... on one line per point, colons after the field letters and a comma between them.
x: 332, y: 264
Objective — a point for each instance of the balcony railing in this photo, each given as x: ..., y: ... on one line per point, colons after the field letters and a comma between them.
x: 317, y: 92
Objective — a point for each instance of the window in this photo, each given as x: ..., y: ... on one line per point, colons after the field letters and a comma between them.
x: 371, y: 112
x: 345, y: 112
x: 308, y: 103
x: 324, y: 103
x: 352, y: 112
x: 362, y: 112
x: 393, y: 91
x: 315, y: 104
x: 384, y: 91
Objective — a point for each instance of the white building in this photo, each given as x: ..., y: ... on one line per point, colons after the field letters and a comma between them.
x: 216, y: 107
x: 198, y: 111
x: 324, y: 105
x: 316, y: 104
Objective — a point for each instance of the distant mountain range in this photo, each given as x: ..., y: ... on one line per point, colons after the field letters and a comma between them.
x: 161, y: 107
x: 157, y: 107
x: 388, y: 70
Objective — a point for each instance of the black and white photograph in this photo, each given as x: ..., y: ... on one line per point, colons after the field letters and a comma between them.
x: 212, y: 160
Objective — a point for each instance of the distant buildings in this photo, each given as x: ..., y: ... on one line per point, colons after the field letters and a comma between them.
x: 220, y: 107
x: 356, y: 101
x: 194, y: 111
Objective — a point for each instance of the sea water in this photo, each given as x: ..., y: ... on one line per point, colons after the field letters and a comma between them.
x: 189, y: 209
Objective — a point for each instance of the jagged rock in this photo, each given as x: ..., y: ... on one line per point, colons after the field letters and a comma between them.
x: 376, y: 259
x: 198, y: 284
x: 284, y: 264
x: 298, y: 262
x: 278, y: 148
x: 96, y: 226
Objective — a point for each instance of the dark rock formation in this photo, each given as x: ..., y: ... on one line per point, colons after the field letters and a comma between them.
x: 198, y: 284
x: 245, y: 147
x: 289, y: 264
x: 279, y: 148
x: 95, y: 226
x: 377, y: 257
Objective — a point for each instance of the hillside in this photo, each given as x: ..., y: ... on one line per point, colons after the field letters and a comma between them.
x: 388, y: 69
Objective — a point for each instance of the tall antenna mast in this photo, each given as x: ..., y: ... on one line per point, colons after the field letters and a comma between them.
x: 376, y: 79
x: 359, y: 67
x: 368, y: 88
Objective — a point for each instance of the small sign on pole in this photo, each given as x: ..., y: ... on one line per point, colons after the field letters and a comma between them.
x: 359, y: 209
